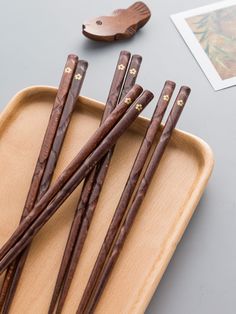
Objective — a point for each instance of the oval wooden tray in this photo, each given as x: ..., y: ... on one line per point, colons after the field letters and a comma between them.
x: 169, y: 204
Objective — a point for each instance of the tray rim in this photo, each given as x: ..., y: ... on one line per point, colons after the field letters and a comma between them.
x: 155, y: 275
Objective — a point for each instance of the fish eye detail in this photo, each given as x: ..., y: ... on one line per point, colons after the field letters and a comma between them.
x: 99, y: 22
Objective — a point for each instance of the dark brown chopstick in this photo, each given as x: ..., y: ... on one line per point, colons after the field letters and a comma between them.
x: 73, y: 94
x: 70, y: 170
x: 131, y: 75
x: 79, y: 175
x: 137, y: 201
x: 111, y: 102
x: 128, y: 191
x: 56, y: 113
x: 41, y: 214
x: 100, y: 175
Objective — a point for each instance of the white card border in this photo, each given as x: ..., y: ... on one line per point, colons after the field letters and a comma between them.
x: 195, y: 47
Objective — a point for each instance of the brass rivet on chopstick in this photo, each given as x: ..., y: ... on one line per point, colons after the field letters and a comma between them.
x: 78, y: 76
x: 139, y: 107
x: 68, y: 70
x: 121, y: 67
x: 166, y: 97
x: 180, y: 103
x: 132, y: 71
x: 128, y: 101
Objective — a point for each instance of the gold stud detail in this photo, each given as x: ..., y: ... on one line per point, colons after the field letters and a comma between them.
x: 128, y: 101
x: 139, y: 107
x: 68, y: 70
x: 78, y: 77
x: 132, y: 71
x: 121, y: 67
x: 180, y: 103
x: 166, y: 97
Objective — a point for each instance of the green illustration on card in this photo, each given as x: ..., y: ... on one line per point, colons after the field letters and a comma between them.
x: 216, y: 32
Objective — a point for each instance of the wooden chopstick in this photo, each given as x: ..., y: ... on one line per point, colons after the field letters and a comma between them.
x: 65, y: 118
x: 44, y: 154
x: 128, y: 191
x: 137, y: 201
x: 41, y: 214
x: 100, y: 175
x: 111, y: 102
x: 79, y: 175
x: 70, y: 170
x: 131, y: 75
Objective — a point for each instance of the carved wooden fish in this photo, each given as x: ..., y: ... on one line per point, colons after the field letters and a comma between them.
x: 122, y: 24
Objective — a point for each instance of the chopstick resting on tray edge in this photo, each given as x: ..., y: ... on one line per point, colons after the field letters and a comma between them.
x: 44, y: 156
x: 92, y: 297
x: 96, y: 147
x: 64, y: 120
x: 129, y: 81
x: 92, y: 186
x: 128, y: 191
x: 70, y: 170
x: 89, y: 180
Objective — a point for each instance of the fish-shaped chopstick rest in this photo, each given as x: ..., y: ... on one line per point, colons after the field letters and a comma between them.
x: 122, y: 24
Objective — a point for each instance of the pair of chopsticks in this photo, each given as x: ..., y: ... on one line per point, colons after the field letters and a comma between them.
x: 68, y: 91
x: 91, y: 153
x: 96, y: 147
x: 124, y: 79
x: 123, y: 218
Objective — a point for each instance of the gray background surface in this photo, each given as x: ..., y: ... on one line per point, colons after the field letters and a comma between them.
x: 35, y: 39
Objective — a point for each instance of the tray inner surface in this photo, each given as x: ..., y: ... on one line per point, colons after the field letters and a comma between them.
x: 154, y: 235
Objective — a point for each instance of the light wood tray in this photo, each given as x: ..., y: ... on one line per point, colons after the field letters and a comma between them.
x: 169, y: 204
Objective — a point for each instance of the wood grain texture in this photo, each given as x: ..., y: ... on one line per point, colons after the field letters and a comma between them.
x: 129, y: 188
x: 112, y: 101
x: 131, y: 75
x: 158, y: 226
x: 132, y: 211
x: 72, y: 181
x: 44, y: 155
x: 78, y: 78
x: 69, y: 172
x: 121, y: 24
x: 100, y: 175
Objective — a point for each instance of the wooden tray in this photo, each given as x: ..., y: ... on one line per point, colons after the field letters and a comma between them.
x: 169, y: 204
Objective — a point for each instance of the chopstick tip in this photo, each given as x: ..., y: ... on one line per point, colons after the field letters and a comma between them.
x: 170, y: 83
x: 149, y: 94
x: 125, y: 52
x: 83, y: 63
x: 137, y: 88
x: 185, y: 89
x: 73, y: 56
x: 136, y: 56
